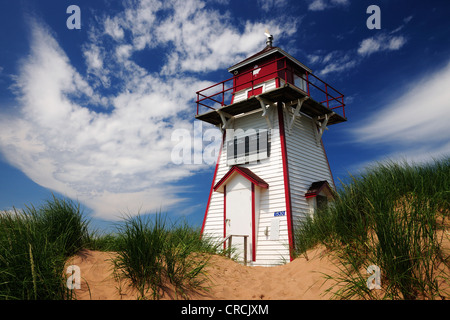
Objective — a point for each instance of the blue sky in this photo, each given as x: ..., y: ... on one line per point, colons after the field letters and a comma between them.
x: 89, y: 113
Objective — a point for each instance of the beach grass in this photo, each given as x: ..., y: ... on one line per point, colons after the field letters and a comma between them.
x: 160, y: 257
x: 156, y: 255
x: 34, y: 246
x: 394, y: 216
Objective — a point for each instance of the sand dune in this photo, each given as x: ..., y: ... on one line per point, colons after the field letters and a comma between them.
x: 299, y: 279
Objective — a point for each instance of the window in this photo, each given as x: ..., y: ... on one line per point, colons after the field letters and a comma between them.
x: 321, y: 202
x: 249, y: 147
x: 300, y: 82
x: 318, y: 197
x: 316, y: 205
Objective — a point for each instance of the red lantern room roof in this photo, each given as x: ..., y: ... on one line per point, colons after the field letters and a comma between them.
x: 267, y: 51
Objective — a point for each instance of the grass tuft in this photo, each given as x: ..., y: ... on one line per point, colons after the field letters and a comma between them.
x: 393, y: 216
x: 34, y: 245
x: 161, y: 258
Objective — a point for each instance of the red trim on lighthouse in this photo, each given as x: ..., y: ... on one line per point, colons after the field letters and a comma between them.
x: 287, y: 190
x: 317, y: 187
x: 246, y: 173
x: 212, y: 184
x: 328, y: 163
x: 224, y: 214
x: 253, y: 224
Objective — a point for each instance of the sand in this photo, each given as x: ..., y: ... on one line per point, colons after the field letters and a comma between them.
x: 300, y: 279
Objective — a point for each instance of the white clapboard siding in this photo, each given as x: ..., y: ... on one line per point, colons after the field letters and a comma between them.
x: 268, y: 252
x: 307, y: 162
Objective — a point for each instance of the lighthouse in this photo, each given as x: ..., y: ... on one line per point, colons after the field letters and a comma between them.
x: 272, y: 171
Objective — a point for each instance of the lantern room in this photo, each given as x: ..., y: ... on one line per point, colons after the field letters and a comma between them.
x: 269, y: 76
x: 269, y: 69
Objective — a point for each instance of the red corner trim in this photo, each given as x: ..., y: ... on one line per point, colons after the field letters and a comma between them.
x: 253, y: 224
x: 224, y: 215
x: 287, y: 191
x: 328, y: 163
x: 212, y: 185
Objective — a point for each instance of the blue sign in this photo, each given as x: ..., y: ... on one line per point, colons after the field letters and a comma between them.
x: 279, y: 213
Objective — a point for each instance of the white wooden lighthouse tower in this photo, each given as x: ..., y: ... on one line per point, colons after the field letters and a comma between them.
x: 272, y: 170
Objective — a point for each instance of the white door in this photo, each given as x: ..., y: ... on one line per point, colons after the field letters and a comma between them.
x: 239, y: 215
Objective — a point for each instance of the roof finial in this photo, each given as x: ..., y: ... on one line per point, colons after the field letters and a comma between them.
x: 269, y: 38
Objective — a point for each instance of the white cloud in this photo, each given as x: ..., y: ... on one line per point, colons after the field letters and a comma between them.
x: 313, y: 58
x: 119, y: 160
x: 319, y: 5
x: 369, y: 46
x: 339, y: 61
x: 93, y: 59
x: 334, y: 61
x: 408, y: 19
x: 123, y: 52
x: 200, y: 39
x: 381, y: 42
x: 268, y: 5
x: 414, y: 125
x: 112, y: 28
x: 110, y: 162
x: 203, y: 43
x: 337, y: 67
x: 395, y: 43
x: 420, y: 155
